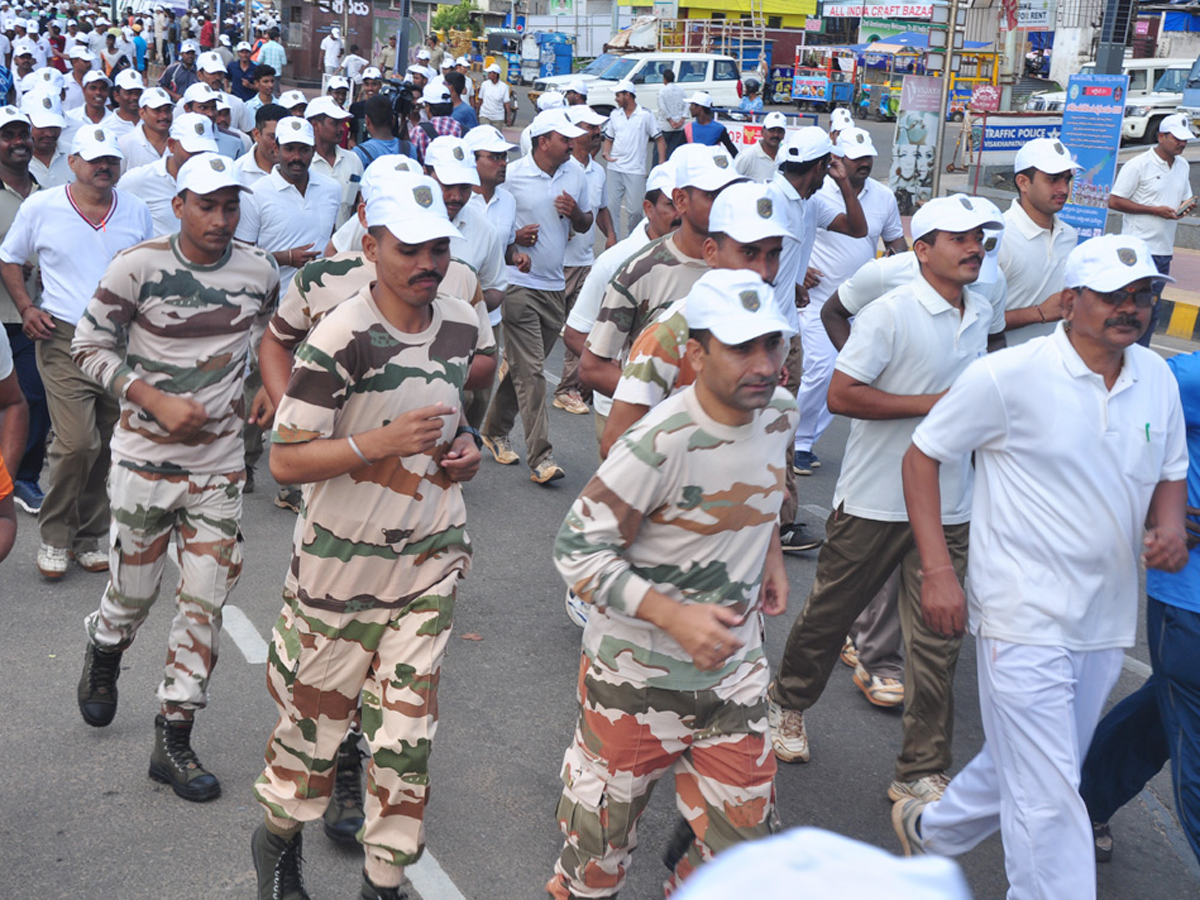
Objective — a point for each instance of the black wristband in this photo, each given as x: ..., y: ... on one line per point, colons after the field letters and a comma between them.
x: 473, y: 432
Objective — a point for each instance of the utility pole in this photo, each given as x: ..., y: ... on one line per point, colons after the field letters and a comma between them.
x: 944, y: 102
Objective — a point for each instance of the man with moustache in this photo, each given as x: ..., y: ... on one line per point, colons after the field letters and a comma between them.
x: 49, y: 165
x: 73, y: 231
x: 169, y: 331
x: 147, y: 142
x: 758, y: 162
x: 904, y: 351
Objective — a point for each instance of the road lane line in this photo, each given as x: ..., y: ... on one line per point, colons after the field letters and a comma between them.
x: 1135, y: 666
x: 821, y: 511
x: 431, y: 880
x: 244, y: 635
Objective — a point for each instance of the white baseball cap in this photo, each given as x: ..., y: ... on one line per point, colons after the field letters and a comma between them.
x: 626, y: 86
x: 854, y: 143
x: 804, y: 145
x: 955, y: 214
x: 12, y: 114
x: 130, y: 80
x: 487, y: 139
x: 223, y: 103
x: 774, y: 120
x: 379, y: 174
x: 731, y: 213
x: 44, y: 110
x: 23, y: 47
x: 78, y: 51
x: 325, y: 106
x: 463, y: 61
x: 45, y: 78
x: 697, y: 166
x: 1047, y: 155
x: 195, y: 133
x: 736, y: 306
x: 412, y: 209
x: 551, y: 100
x: 662, y: 178
x: 335, y: 32
x: 423, y: 53
x: 189, y: 46
x: 199, y: 93
x: 452, y: 161
x: 95, y: 142
x: 243, y: 45
x: 554, y: 120
x: 1176, y: 125
x: 701, y: 98
x: 94, y: 76
x: 1110, y: 262
x: 577, y: 87
x: 154, y: 98
x: 210, y: 62
x: 435, y: 94
x: 494, y: 67
x: 292, y: 99
x: 294, y: 130
x: 447, y: 62
x: 989, y: 271
x: 224, y: 39
x: 338, y: 83
x: 840, y: 119
x: 581, y: 112
x: 373, y: 73
x: 205, y: 173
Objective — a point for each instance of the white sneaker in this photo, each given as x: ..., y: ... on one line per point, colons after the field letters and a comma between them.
x: 789, y: 739
x: 92, y: 560
x: 927, y: 788
x: 52, y: 561
x: 577, y: 610
x: 906, y: 819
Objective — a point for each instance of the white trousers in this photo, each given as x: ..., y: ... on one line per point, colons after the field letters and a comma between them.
x: 1040, y: 706
x: 819, y: 357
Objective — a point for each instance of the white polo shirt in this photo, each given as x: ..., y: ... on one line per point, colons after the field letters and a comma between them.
x: 347, y: 171
x: 72, y: 253
x: 802, y: 219
x: 154, y: 186
x: 629, y: 135
x: 1032, y: 259
x: 248, y: 169
x: 878, y: 276
x: 280, y: 217
x: 501, y: 213
x: 1148, y: 180
x: 73, y: 99
x: 581, y: 247
x: 118, y: 127
x: 492, y: 98
x: 54, y: 175
x: 754, y: 163
x: 137, y: 149
x: 909, y: 341
x: 838, y: 255
x: 535, y: 193
x: 1065, y: 470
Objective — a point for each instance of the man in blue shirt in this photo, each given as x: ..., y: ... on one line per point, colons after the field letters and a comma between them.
x: 241, y: 73
x: 1161, y: 720
x: 461, y: 111
x: 381, y: 126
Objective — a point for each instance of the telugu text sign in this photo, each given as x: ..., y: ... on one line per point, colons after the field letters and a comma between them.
x: 1091, y: 130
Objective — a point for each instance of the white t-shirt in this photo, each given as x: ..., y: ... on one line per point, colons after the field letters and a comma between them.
x: 248, y: 170
x: 581, y: 248
x: 909, y: 341
x: 118, y: 127
x: 353, y: 66
x: 1148, y: 180
x: 154, y: 186
x: 492, y: 98
x: 802, y: 220
x: 347, y: 171
x: 501, y: 213
x: 629, y: 135
x: 535, y: 193
x: 754, y: 163
x: 137, y: 149
x: 53, y: 175
x: 332, y: 48
x: 1032, y: 259
x: 276, y: 216
x: 72, y: 252
x: 838, y: 255
x: 1065, y: 471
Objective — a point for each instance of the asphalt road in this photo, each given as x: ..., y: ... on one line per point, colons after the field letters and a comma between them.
x: 83, y: 819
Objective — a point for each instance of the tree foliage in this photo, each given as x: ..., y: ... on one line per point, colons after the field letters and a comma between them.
x: 457, y: 17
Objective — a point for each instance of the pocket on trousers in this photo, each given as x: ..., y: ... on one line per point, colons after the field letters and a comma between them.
x: 583, y: 810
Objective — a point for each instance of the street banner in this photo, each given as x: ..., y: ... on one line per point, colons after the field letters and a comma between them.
x: 910, y: 177
x: 878, y: 10
x: 1091, y: 130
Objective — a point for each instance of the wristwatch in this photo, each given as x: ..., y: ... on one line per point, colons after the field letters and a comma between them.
x: 473, y: 432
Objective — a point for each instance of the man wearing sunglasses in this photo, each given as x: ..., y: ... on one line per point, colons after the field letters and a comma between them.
x: 1053, y: 574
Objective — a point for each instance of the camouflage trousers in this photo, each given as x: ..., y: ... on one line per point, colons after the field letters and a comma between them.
x: 318, y: 664
x: 627, y: 737
x: 202, y: 514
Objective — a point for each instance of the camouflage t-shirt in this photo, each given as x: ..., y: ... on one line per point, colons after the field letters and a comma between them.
x: 190, y: 330
x: 322, y: 284
x: 657, y: 365
x: 385, y: 533
x: 649, y: 281
x: 687, y: 506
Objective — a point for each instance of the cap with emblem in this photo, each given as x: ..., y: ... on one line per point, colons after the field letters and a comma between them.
x: 696, y: 165
x: 494, y: 67
x: 325, y: 106
x: 839, y: 120
x: 747, y: 212
x: 625, y: 86
x: 804, y: 145
x: 854, y: 143
x: 447, y: 62
x: 412, y: 209
x: 577, y: 87
x: 554, y: 120
x: 774, y: 120
x: 47, y: 79
x: 95, y: 143
x: 1110, y: 262
x: 44, y: 110
x: 154, y: 98
x: 9, y: 114
x: 701, y: 98
x: 379, y: 173
x: 294, y: 130
x: 955, y: 214
x: 291, y: 99
x: 487, y: 139
x: 210, y: 62
x: 195, y: 134
x: 463, y: 61
x: 372, y: 73
x: 199, y: 93
x: 207, y: 172
x: 78, y: 51
x: 1047, y: 155
x: 735, y: 306
x: 130, y: 80
x: 93, y: 76
x: 338, y: 83
x: 189, y: 46
x: 436, y: 95
x: 1176, y: 125
x: 551, y: 100
x: 585, y: 114
x: 451, y: 160
x: 243, y: 45
x: 423, y: 54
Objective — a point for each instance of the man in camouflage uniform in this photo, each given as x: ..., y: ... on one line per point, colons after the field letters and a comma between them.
x: 368, y: 606
x: 191, y: 305
x: 674, y: 543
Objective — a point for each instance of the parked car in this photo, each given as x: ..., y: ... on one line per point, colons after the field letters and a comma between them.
x: 1144, y: 113
x: 1143, y: 74
x: 587, y: 74
x: 715, y: 73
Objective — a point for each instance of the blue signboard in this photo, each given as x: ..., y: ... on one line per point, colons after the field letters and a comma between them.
x: 1091, y: 130
x: 1009, y: 133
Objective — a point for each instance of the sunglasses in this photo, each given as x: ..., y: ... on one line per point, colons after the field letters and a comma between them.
x: 1141, y: 299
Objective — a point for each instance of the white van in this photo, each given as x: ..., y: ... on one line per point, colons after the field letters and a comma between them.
x: 1143, y: 76
x: 711, y: 72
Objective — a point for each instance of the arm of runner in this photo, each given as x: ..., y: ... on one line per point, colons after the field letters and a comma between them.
x: 836, y: 320
x: 1166, y: 534
x: 14, y: 428
x: 853, y: 221
x: 943, y: 604
x: 774, y: 595
x: 1126, y: 206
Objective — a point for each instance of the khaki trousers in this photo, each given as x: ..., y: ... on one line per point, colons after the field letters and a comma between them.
x: 854, y: 563
x: 75, y: 513
x: 576, y: 276
x: 532, y: 321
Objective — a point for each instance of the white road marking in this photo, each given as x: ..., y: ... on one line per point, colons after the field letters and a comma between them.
x: 1135, y: 666
x: 551, y: 377
x: 821, y: 511
x: 239, y: 627
x: 431, y: 880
